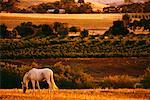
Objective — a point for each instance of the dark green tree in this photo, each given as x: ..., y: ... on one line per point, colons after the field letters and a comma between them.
x: 25, y: 29
x: 85, y: 8
x: 117, y: 29
x: 9, y: 5
x: 73, y: 29
x: 126, y: 20
x: 84, y: 33
x: 60, y: 28
x: 80, y: 1
x: 4, y: 33
x: 47, y: 30
x: 67, y: 1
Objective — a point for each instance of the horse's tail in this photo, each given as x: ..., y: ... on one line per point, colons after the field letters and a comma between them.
x: 54, y: 86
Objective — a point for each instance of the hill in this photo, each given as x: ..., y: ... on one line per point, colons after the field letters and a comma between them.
x: 28, y: 3
x: 98, y: 67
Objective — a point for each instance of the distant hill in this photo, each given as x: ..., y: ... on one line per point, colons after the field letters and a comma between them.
x: 98, y: 6
x: 27, y: 3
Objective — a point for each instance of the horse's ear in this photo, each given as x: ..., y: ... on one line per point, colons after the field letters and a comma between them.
x: 26, y: 73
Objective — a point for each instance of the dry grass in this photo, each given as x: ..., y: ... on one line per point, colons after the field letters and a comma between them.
x: 90, y: 94
x: 96, y: 21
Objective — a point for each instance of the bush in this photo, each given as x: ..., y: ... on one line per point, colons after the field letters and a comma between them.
x: 11, y: 74
x: 118, y: 81
x: 117, y: 29
x: 69, y: 77
x: 146, y: 79
x: 9, y: 79
x: 84, y: 33
x: 25, y: 29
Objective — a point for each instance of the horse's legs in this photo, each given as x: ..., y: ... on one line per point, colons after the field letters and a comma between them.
x: 37, y: 83
x: 49, y: 83
x: 33, y: 84
x: 27, y: 84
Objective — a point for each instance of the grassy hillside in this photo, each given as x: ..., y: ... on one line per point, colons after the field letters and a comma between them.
x: 99, y: 67
x: 80, y: 73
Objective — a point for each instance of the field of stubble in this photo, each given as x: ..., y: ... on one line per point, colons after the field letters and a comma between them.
x: 76, y: 94
x: 89, y: 21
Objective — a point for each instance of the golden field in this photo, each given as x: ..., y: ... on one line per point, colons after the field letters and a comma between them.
x: 83, y: 94
x: 89, y: 21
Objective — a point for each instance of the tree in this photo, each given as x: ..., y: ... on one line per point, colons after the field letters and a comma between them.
x: 85, y: 8
x: 3, y: 31
x: 67, y: 1
x: 117, y: 29
x: 73, y: 29
x: 80, y: 1
x: 47, y: 30
x: 8, y: 5
x: 84, y: 33
x: 60, y: 28
x: 25, y: 29
x: 126, y: 20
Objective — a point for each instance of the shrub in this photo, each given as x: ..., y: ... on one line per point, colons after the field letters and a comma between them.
x: 25, y: 29
x: 84, y: 33
x: 9, y: 79
x: 71, y: 77
x: 118, y: 81
x: 74, y: 29
x: 146, y: 79
x: 11, y: 74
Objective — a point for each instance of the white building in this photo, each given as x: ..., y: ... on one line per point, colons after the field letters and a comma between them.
x: 60, y: 11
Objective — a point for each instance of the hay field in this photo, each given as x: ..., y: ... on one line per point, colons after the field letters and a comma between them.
x: 64, y: 94
x: 96, y: 21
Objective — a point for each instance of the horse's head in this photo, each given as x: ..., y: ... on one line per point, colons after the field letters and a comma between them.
x: 24, y: 87
x: 25, y: 82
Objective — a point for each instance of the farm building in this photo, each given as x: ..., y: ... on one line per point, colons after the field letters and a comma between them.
x: 60, y: 11
x: 111, y: 9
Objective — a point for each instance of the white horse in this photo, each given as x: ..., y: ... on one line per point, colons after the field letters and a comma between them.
x: 35, y: 75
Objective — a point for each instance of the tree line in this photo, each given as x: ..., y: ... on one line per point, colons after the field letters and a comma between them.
x: 136, y: 7
x: 29, y: 30
x: 70, y: 6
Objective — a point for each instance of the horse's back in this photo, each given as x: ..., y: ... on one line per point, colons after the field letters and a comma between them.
x: 40, y: 70
x: 40, y: 73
